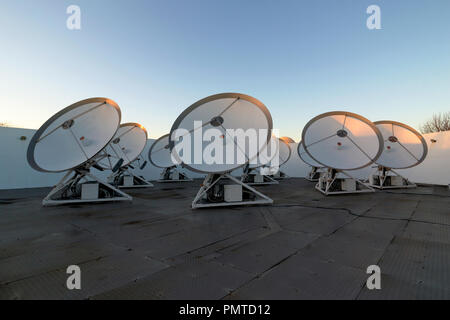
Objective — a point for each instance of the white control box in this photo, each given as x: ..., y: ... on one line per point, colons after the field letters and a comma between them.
x: 348, y: 185
x: 128, y: 181
x: 89, y: 191
x: 258, y: 178
x: 232, y: 193
x: 396, y: 181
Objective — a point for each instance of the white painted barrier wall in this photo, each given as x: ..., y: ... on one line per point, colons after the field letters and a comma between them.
x: 16, y: 173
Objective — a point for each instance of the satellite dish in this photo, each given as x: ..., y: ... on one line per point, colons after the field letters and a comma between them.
x: 342, y: 141
x: 128, y: 143
x: 225, y: 111
x: 161, y: 157
x: 285, y: 152
x: 222, y: 112
x: 74, y: 135
x: 314, y: 174
x: 159, y: 153
x: 404, y: 148
x: 125, y: 148
x: 73, y: 140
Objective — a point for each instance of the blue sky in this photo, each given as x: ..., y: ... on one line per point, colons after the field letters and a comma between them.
x: 155, y: 58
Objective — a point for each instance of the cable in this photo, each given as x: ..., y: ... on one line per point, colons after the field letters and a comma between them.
x: 350, y: 212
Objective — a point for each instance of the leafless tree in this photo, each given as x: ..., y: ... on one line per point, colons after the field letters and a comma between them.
x: 439, y: 122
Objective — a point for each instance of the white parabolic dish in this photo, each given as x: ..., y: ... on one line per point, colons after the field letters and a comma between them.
x: 127, y: 144
x: 74, y: 135
x: 306, y: 158
x: 342, y: 140
x: 221, y: 112
x: 159, y: 153
x: 404, y: 147
x: 285, y: 151
x: 268, y: 154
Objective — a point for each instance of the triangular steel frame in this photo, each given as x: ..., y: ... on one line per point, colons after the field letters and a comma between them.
x: 268, y: 179
x: 313, y: 175
x: 331, y: 177
x: 383, y: 173
x: 141, y: 182
x: 212, y: 179
x: 169, y: 171
x: 78, y: 175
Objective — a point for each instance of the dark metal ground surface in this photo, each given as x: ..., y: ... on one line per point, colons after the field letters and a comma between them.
x: 305, y: 246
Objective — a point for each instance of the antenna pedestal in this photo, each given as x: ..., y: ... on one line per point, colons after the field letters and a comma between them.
x: 313, y: 175
x: 172, y: 174
x: 213, y: 193
x: 280, y: 175
x: 81, y: 186
x: 386, y: 178
x: 329, y: 183
x: 251, y: 177
x: 123, y: 179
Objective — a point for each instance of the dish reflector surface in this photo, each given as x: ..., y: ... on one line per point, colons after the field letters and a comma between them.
x: 342, y: 140
x: 285, y: 151
x: 127, y: 144
x: 159, y: 153
x: 287, y: 140
x: 74, y: 135
x: 221, y: 112
x: 267, y: 155
x: 404, y: 147
x: 306, y: 158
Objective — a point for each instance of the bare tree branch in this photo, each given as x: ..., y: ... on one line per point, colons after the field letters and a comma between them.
x: 439, y: 122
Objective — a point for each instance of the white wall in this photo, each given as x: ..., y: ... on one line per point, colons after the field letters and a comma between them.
x: 14, y: 169
x: 436, y: 167
x: 16, y: 173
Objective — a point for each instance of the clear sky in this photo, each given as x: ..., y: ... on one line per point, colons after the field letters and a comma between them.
x: 155, y: 58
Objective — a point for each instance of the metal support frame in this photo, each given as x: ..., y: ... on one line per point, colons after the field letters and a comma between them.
x: 79, y: 175
x: 169, y: 172
x: 138, y: 182
x: 248, y: 173
x: 313, y: 175
x: 384, y: 174
x: 328, y: 179
x: 212, y: 179
x: 280, y: 175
